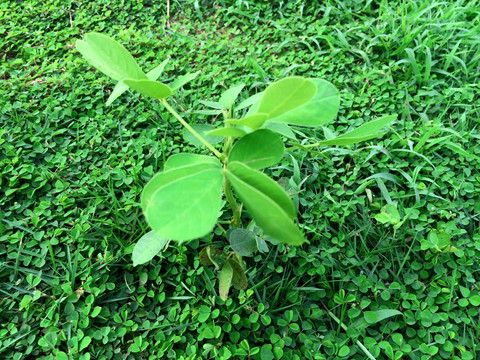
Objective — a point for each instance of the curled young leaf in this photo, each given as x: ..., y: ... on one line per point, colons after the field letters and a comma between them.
x: 225, y: 281
x: 239, y: 278
x: 211, y: 255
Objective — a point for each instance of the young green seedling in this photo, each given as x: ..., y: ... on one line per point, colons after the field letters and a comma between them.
x: 183, y: 201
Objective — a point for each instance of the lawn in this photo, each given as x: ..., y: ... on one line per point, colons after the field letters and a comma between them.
x: 392, y: 267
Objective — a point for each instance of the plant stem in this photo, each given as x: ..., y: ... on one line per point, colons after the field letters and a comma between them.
x: 227, y: 189
x: 192, y: 130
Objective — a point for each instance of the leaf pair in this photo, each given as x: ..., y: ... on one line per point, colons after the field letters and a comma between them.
x: 299, y: 101
x: 293, y: 100
x: 112, y: 59
x: 183, y: 202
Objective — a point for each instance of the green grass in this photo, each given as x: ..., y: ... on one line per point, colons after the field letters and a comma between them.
x: 71, y: 171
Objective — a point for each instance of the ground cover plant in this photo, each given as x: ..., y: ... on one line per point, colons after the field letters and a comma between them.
x: 392, y: 223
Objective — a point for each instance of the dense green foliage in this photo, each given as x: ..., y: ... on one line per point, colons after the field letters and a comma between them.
x: 393, y: 224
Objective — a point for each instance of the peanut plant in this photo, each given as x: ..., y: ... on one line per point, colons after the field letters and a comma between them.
x: 183, y: 202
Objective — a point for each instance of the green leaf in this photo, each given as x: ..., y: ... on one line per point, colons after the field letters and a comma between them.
x: 227, y: 131
x: 118, y: 90
x: 226, y: 276
x: 343, y: 351
x: 204, y: 313
x: 259, y: 149
x: 183, y: 203
x: 266, y: 352
x: 299, y: 101
x: 475, y: 300
x: 365, y: 132
x: 168, y: 176
x: 109, y: 56
x: 267, y: 203
x: 286, y: 95
x: 280, y: 128
x: 155, y: 73
x: 254, y: 99
x: 373, y: 317
x: 239, y: 279
x: 187, y: 159
x: 243, y: 242
x: 229, y: 96
x: 441, y: 241
x: 60, y: 355
x: 253, y: 121
x: 211, y: 104
x: 182, y: 80
x: 261, y: 245
x: 389, y: 214
x: 121, y: 87
x: 147, y: 247
x: 150, y: 88
x: 370, y: 317
x: 202, y: 129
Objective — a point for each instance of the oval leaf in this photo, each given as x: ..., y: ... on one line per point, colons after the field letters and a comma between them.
x: 243, y: 242
x: 259, y: 149
x: 187, y: 159
x: 280, y: 128
x: 147, y: 247
x: 267, y: 203
x: 226, y: 276
x: 150, y: 88
x: 183, y: 203
x: 229, y: 96
x: 286, y: 95
x: 320, y: 109
x: 109, y: 56
x: 163, y: 178
x: 264, y: 185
